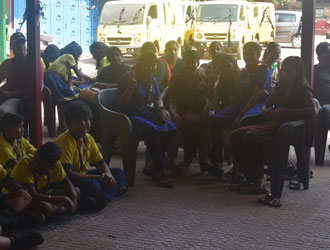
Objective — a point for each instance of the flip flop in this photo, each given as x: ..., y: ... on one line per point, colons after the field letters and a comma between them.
x: 294, y: 184
x: 270, y: 201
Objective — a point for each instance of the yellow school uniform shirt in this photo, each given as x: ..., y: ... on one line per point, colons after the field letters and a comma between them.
x: 62, y: 65
x: 43, y: 64
x: 23, y: 175
x: 3, y: 175
x: 89, y: 152
x: 104, y: 62
x: 14, y: 150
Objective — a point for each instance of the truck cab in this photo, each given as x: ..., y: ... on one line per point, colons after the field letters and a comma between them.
x: 229, y: 22
x: 128, y: 24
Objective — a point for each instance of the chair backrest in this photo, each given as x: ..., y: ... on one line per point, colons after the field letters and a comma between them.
x: 107, y: 98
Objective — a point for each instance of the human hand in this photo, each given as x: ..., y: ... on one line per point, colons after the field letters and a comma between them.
x: 131, y: 80
x: 162, y: 114
x: 68, y: 204
x: 108, y: 180
x: 176, y: 118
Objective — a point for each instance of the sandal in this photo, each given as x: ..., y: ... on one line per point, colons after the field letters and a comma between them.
x: 270, y: 201
x: 294, y: 184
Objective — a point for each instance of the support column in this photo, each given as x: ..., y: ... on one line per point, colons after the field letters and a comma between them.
x: 307, y: 38
x: 3, y: 51
x: 33, y: 49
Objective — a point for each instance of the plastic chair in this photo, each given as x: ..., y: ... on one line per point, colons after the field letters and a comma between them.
x: 115, y: 124
x: 322, y: 126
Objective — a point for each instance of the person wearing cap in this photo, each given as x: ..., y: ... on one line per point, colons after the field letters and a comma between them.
x: 322, y: 94
x: 15, y: 72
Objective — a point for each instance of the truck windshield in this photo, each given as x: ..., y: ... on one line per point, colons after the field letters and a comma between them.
x: 217, y: 13
x: 122, y: 14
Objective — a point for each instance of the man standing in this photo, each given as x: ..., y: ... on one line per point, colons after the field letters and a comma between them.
x: 322, y: 93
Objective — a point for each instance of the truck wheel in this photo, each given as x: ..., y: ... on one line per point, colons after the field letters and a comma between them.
x: 296, y: 41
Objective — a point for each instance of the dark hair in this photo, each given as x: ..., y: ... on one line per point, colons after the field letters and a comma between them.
x: 147, y: 57
x: 148, y: 46
x: 100, y: 49
x: 72, y: 48
x: 49, y: 152
x: 297, y: 64
x: 50, y: 54
x: 77, y: 110
x: 167, y: 45
x: 215, y: 43
x: 190, y: 55
x: 227, y: 89
x: 321, y: 48
x: 111, y: 50
x: 270, y: 47
x: 252, y: 46
x: 9, y: 120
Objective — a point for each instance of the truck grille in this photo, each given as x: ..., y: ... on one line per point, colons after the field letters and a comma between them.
x: 119, y: 40
x: 215, y: 36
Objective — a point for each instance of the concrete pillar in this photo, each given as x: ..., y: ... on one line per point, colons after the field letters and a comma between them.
x: 307, y: 38
x: 33, y: 50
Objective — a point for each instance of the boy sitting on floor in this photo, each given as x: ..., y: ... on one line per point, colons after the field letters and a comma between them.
x: 12, y: 144
x: 80, y: 150
x: 44, y: 177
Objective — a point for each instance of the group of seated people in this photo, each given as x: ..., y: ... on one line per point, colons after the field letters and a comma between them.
x: 203, y: 101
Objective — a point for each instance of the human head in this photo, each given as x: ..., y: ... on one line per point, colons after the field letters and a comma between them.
x: 114, y: 55
x: 12, y: 125
x: 225, y: 64
x: 46, y: 157
x: 172, y: 50
x: 146, y: 65
x: 50, y: 54
x: 148, y: 46
x: 292, y: 72
x: 98, y: 51
x: 78, y: 116
x: 190, y: 61
x: 72, y: 48
x: 251, y: 53
x: 272, y: 52
x: 18, y: 45
x: 215, y: 49
x: 323, y: 53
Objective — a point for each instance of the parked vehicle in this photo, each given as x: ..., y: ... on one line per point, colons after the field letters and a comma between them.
x: 128, y: 24
x: 264, y: 22
x: 215, y: 20
x: 288, y: 25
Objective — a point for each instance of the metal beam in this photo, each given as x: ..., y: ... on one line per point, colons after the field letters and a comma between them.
x: 33, y: 49
x: 307, y: 38
x: 3, y: 51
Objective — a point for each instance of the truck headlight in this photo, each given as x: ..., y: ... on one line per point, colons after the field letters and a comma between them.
x: 199, y: 35
x: 137, y: 40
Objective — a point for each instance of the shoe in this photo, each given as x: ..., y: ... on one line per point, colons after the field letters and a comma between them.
x: 86, y: 203
x: 216, y: 170
x: 24, y: 239
x: 101, y: 202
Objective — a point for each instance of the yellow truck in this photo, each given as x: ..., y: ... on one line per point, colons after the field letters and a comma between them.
x: 229, y: 22
x: 128, y: 24
x: 264, y: 22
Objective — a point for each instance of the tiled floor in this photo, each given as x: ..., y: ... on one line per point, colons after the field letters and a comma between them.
x: 199, y: 213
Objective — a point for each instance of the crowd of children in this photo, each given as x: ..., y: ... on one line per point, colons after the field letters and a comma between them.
x: 57, y: 177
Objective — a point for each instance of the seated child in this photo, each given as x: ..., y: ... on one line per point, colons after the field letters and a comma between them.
x: 45, y: 179
x: 80, y: 150
x: 12, y: 144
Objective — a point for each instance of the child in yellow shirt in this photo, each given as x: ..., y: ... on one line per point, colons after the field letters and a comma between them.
x: 80, y: 151
x: 13, y: 146
x: 45, y: 179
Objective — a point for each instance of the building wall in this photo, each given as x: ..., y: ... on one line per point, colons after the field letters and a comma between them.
x: 66, y: 20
